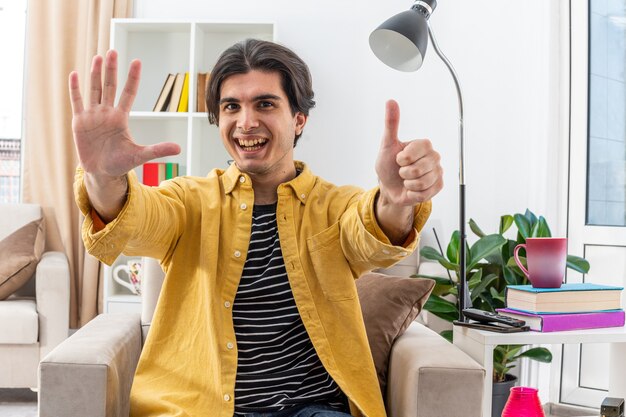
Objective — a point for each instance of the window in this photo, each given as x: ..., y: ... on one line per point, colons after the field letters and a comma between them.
x: 606, y: 194
x: 12, y: 36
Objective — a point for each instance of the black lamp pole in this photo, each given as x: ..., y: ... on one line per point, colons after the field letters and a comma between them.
x: 401, y: 42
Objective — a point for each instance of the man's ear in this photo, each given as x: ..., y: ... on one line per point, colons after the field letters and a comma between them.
x: 300, y: 120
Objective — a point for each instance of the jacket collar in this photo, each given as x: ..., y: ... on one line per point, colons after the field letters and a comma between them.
x: 301, y: 185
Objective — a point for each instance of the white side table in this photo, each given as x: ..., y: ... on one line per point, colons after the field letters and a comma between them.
x: 479, y: 344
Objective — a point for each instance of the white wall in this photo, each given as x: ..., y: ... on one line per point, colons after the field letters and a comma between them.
x: 506, y: 55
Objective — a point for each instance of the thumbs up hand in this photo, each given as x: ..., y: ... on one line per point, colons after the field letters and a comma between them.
x: 409, y: 173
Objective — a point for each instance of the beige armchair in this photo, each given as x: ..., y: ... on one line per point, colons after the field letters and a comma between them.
x: 35, y: 319
x: 91, y: 373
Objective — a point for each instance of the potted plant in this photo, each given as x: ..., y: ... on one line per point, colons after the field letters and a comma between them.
x: 490, y: 268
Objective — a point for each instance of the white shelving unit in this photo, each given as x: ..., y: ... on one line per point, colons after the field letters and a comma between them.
x: 166, y: 47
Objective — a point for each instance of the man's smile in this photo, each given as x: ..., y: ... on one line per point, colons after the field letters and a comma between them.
x: 251, y: 144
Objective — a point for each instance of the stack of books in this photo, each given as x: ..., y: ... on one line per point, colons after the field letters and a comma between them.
x: 570, y: 307
x: 174, y: 95
x: 155, y: 172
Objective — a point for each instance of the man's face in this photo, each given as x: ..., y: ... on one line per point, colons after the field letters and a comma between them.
x: 256, y: 123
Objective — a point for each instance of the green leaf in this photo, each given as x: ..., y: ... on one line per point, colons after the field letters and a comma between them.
x: 436, y: 304
x: 475, y: 279
x: 543, y: 230
x: 531, y: 217
x: 484, y: 284
x: 511, y: 262
x: 498, y: 354
x: 511, y: 351
x: 438, y: 280
x: 476, y: 229
x: 433, y: 255
x: 538, y: 354
x: 484, y: 247
x: 509, y: 276
x: 578, y: 264
x: 453, y: 247
x: 497, y: 296
x: 523, y: 226
x: 505, y: 223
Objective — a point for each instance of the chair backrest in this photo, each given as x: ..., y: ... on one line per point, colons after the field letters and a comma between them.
x: 14, y: 216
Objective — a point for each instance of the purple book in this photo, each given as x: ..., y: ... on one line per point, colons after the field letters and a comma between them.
x: 567, y: 321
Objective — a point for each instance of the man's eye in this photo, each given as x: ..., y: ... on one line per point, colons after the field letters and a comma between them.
x: 231, y: 106
x: 266, y: 104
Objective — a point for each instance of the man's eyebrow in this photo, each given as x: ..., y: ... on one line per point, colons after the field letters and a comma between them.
x: 266, y: 97
x: 256, y: 98
x: 228, y: 100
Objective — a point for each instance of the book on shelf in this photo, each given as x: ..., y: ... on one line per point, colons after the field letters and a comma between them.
x: 177, y: 91
x: 569, y: 298
x: 567, y: 321
x: 156, y: 172
x: 171, y: 170
x: 183, y: 104
x: 202, y: 82
x: 166, y: 92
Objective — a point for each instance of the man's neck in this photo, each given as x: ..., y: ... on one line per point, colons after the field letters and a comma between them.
x: 266, y: 186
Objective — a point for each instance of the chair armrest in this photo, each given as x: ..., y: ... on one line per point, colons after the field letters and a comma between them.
x: 91, y: 372
x: 430, y: 377
x: 52, y: 290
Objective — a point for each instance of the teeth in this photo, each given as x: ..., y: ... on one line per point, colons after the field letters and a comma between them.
x: 251, y: 142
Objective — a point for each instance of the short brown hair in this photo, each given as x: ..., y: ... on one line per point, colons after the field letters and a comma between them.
x: 255, y: 54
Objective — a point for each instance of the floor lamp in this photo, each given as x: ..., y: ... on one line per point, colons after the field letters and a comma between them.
x: 400, y: 42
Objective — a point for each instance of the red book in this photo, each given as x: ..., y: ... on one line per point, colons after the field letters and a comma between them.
x: 153, y: 173
x: 567, y: 321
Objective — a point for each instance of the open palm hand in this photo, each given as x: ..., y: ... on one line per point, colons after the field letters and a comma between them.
x: 102, y: 136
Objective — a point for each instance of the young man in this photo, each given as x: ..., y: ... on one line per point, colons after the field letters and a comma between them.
x: 258, y: 314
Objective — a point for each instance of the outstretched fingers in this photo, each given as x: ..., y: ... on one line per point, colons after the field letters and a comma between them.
x: 110, y: 78
x: 130, y: 88
x: 95, y: 86
x: 75, y: 98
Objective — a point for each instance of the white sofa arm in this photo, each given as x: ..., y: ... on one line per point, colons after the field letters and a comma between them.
x: 91, y: 372
x: 430, y: 377
x: 52, y: 289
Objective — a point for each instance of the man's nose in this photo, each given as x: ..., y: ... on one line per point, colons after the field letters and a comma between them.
x: 247, y: 120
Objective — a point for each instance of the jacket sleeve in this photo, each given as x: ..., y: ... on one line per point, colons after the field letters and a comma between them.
x: 149, y: 224
x: 364, y: 243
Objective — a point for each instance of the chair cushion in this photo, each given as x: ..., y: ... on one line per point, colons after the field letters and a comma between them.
x: 19, y: 322
x: 389, y: 305
x: 21, y: 251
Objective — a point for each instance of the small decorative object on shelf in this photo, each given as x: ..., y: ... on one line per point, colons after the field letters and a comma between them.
x: 131, y: 276
x: 523, y: 402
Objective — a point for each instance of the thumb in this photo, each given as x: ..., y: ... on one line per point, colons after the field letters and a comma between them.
x: 392, y: 120
x: 150, y: 152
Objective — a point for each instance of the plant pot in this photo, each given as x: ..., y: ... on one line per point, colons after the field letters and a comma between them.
x: 500, y: 394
